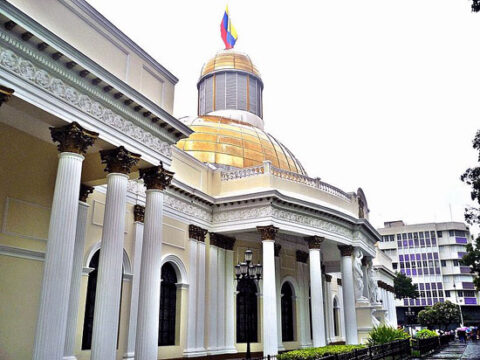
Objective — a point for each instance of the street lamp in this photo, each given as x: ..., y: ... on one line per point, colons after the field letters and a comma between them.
x: 459, y: 307
x: 247, y: 273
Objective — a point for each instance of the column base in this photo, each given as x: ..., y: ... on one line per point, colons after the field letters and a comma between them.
x: 230, y: 350
x: 281, y: 347
x: 72, y: 357
x: 307, y: 345
x: 194, y: 352
x: 128, y: 355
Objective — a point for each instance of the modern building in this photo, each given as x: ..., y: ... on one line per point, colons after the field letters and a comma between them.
x: 429, y: 254
x: 121, y: 225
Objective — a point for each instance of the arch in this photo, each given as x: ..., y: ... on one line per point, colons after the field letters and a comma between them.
x: 287, y: 311
x: 293, y: 283
x: 127, y: 265
x: 178, y: 266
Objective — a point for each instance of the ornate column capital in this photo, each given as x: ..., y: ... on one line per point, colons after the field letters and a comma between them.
x: 73, y: 138
x: 267, y: 232
x: 328, y: 278
x: 222, y: 241
x: 276, y: 249
x: 197, y: 233
x: 139, y: 213
x: 5, y: 94
x: 314, y: 242
x: 345, y: 250
x: 84, y: 192
x: 119, y: 160
x: 339, y: 282
x: 156, y: 177
x: 302, y: 256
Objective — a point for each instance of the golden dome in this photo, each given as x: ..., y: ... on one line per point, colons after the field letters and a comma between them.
x: 229, y: 59
x: 219, y: 140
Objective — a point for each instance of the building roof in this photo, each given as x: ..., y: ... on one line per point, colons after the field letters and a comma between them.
x: 229, y: 59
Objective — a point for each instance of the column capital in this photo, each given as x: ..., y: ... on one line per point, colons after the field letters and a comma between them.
x: 345, y: 250
x: 328, y: 278
x: 119, y: 160
x: 139, y: 213
x: 301, y: 256
x: 5, y: 94
x: 276, y: 249
x: 267, y: 232
x: 314, y: 242
x: 339, y: 282
x: 73, y: 138
x: 222, y: 241
x: 156, y: 177
x: 197, y: 233
x: 85, y: 190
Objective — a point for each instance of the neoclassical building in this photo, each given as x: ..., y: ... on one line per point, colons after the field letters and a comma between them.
x: 121, y: 225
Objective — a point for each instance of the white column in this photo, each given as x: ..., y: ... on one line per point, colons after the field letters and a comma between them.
x: 52, y: 316
x: 279, y: 303
x: 146, y: 343
x: 365, y: 277
x: 326, y: 321
x: 329, y: 309
x: 109, y: 281
x: 307, y: 324
x: 393, y: 308
x: 270, y: 335
x: 229, y: 303
x: 220, y: 299
x: 342, y: 312
x: 76, y: 281
x: 318, y: 316
x: 132, y: 320
x: 212, y: 299
x: 192, y: 300
x: 303, y: 292
x: 200, y: 337
x: 348, y: 295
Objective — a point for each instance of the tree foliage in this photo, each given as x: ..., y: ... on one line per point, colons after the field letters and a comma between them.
x: 440, y: 314
x: 384, y: 334
x: 475, y: 5
x: 472, y: 214
x: 404, y: 288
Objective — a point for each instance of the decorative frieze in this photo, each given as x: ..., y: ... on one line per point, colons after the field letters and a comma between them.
x: 5, y: 94
x: 74, y: 96
x: 119, y: 160
x: 301, y: 256
x: 156, y: 177
x: 139, y: 213
x: 222, y: 241
x: 267, y: 232
x: 73, y: 138
x: 85, y: 190
x: 197, y: 233
x: 345, y: 250
x: 314, y: 242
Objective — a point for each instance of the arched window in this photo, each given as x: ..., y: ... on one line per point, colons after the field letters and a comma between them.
x: 287, y: 312
x: 168, y: 306
x: 90, y: 303
x: 336, y: 317
x: 247, y: 315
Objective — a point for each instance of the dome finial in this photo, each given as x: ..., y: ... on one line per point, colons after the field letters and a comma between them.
x: 227, y: 31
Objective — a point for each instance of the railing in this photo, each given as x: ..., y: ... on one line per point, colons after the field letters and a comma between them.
x: 429, y: 345
x: 267, y: 168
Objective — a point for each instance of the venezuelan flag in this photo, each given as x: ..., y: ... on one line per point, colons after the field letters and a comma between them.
x: 229, y: 34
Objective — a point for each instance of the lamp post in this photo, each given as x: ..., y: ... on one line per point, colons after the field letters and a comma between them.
x: 459, y: 307
x: 247, y: 273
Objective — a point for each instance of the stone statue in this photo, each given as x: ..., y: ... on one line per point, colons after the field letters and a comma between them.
x: 372, y: 284
x: 358, y: 274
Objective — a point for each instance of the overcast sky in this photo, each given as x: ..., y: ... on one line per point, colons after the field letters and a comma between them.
x: 378, y: 94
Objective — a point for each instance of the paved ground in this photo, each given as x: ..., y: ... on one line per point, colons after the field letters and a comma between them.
x: 472, y: 351
x: 457, y: 350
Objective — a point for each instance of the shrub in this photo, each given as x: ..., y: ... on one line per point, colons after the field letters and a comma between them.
x: 425, y: 333
x: 315, y: 353
x: 384, y: 334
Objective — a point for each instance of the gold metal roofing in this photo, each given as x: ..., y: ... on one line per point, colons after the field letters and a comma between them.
x: 229, y: 59
x: 219, y: 140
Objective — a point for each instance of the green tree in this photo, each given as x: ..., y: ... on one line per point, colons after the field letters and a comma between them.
x: 472, y: 214
x: 440, y: 314
x: 475, y: 5
x: 403, y: 287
